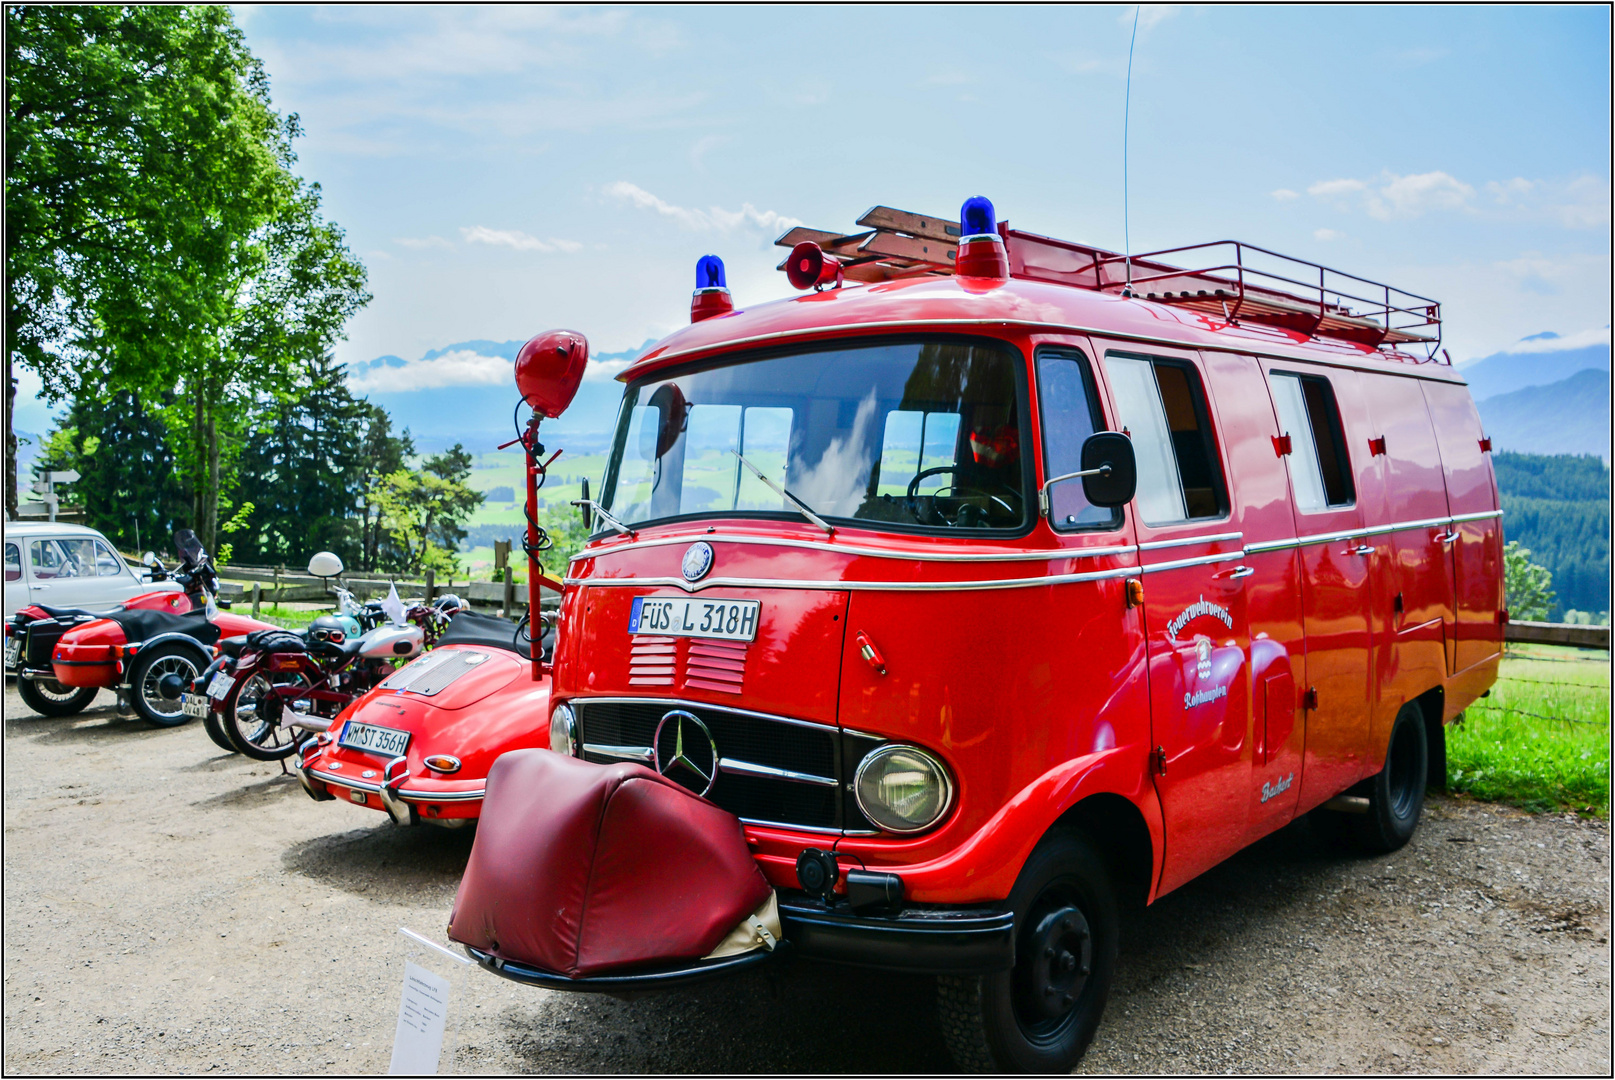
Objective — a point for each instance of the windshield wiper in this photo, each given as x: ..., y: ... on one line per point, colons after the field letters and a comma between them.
x: 807, y: 511
x: 606, y: 517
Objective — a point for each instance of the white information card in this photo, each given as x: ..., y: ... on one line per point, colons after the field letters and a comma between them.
x: 418, y: 1042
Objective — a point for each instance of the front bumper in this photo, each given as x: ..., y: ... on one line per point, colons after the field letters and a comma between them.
x: 920, y: 940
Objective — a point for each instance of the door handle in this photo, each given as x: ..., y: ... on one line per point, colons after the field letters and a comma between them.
x: 1360, y: 549
x: 1449, y: 537
x: 1241, y: 572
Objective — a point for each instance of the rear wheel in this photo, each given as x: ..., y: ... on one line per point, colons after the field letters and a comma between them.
x: 47, y: 697
x: 1396, y: 795
x: 1041, y: 1015
x: 158, y: 680
x: 252, y: 714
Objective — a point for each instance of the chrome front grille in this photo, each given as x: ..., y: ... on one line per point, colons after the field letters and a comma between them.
x: 771, y: 770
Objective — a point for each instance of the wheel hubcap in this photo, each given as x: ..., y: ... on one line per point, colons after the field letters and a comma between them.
x: 1059, y: 960
x: 152, y: 689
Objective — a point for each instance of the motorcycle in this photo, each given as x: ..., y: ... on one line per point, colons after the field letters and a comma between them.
x: 146, y: 649
x: 262, y: 687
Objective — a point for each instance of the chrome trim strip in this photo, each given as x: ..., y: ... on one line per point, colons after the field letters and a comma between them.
x: 1258, y: 349
x: 1482, y: 516
x: 375, y: 789
x: 1271, y: 545
x: 823, y: 830
x: 863, y: 586
x: 1185, y: 541
x: 580, y: 702
x: 867, y: 552
x: 768, y: 772
x: 1204, y: 560
x: 621, y: 753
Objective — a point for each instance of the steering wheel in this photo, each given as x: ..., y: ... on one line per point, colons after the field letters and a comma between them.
x: 914, y: 486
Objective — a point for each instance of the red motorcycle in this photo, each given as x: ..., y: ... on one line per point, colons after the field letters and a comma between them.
x: 147, y: 649
x: 263, y: 686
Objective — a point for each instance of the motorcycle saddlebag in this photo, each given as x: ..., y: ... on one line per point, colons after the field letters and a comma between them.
x: 582, y: 869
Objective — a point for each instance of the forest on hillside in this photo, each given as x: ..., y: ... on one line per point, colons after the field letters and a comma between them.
x: 1558, y: 506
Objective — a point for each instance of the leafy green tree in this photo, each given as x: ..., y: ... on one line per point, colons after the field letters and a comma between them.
x: 155, y: 235
x: 425, y: 511
x: 1528, y: 588
x: 127, y: 483
x: 384, y: 454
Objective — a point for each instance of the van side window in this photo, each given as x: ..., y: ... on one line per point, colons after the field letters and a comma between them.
x: 1070, y: 412
x: 13, y: 563
x: 1162, y: 407
x: 1320, y: 471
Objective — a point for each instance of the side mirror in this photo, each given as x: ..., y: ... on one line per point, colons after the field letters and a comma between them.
x: 1110, y: 471
x: 588, y: 515
x: 149, y: 559
x: 325, y: 564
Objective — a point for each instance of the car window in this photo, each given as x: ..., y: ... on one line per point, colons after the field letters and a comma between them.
x: 13, y: 563
x: 1070, y: 414
x: 107, y: 561
x: 63, y: 558
x: 1319, y: 470
x: 1162, y: 407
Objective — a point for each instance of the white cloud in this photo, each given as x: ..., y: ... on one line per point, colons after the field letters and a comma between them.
x: 1329, y: 189
x: 1327, y: 235
x: 1149, y: 15
x: 1284, y: 194
x: 421, y: 242
x: 604, y: 370
x: 463, y: 368
x: 1581, y: 203
x: 702, y: 146
x: 1410, y: 196
x: 715, y: 218
x: 481, y: 234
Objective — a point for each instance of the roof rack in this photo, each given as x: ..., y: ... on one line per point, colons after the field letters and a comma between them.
x: 1239, y: 282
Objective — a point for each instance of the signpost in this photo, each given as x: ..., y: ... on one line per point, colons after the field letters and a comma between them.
x: 47, y: 488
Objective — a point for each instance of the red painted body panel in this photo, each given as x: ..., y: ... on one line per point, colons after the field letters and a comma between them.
x: 87, y: 656
x: 1041, y: 695
x: 484, y: 713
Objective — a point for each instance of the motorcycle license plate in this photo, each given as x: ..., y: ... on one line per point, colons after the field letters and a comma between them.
x: 731, y: 620
x: 220, y: 685
x: 374, y: 740
x: 194, y: 705
x: 13, y: 652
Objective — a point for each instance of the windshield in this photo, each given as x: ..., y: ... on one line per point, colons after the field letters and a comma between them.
x: 920, y: 435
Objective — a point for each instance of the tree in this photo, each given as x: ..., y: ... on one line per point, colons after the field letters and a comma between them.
x: 1527, y: 586
x: 127, y: 483
x: 155, y: 234
x: 384, y: 454
x: 424, y: 511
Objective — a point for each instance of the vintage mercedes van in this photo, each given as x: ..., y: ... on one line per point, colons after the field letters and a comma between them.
x: 989, y: 583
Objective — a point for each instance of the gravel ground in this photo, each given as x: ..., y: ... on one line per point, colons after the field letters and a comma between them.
x: 169, y: 908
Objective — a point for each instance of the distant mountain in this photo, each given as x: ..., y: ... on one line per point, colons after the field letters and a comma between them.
x: 1566, y: 417
x: 481, y: 415
x: 1505, y: 372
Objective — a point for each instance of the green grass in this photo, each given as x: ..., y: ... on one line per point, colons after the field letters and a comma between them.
x: 284, y: 616
x: 1505, y: 751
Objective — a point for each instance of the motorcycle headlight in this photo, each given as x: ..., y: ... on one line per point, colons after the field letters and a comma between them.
x: 903, y: 789
x: 564, y: 730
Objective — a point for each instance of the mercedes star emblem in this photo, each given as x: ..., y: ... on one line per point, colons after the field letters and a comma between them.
x: 682, y: 742
x: 697, y: 561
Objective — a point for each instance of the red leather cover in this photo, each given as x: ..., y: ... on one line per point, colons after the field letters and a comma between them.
x: 583, y: 869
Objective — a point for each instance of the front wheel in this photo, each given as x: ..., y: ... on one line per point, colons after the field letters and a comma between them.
x: 1041, y: 1015
x: 158, y: 680
x: 47, y: 697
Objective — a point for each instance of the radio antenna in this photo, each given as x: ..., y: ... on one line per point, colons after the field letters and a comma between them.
x: 1127, y: 109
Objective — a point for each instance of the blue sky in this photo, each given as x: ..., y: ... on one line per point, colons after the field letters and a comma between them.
x: 506, y: 170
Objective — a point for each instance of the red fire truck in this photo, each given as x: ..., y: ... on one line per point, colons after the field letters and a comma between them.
x: 990, y: 583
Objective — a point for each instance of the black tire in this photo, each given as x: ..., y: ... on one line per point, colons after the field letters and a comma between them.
x: 1040, y: 1016
x: 150, y: 668
x: 1396, y: 794
x: 213, y: 724
x: 252, y: 729
x: 47, y: 697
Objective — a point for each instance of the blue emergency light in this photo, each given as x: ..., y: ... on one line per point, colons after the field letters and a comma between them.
x: 976, y: 217
x: 709, y: 271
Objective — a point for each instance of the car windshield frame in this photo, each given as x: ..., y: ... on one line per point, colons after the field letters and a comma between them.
x: 1013, y: 355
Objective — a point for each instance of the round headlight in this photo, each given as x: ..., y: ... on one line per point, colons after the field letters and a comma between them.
x: 903, y: 789
x: 564, y: 730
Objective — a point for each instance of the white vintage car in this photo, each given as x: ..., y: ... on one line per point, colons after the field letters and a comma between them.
x: 68, y: 566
